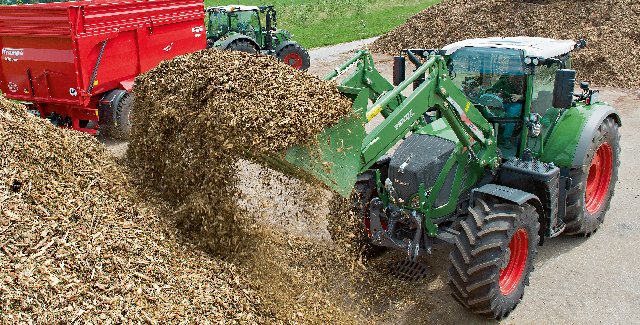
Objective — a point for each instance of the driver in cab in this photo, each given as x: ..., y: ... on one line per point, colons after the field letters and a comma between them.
x: 510, y: 88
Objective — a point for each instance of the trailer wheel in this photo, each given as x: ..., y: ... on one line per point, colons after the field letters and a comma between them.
x: 242, y: 46
x: 592, y: 185
x: 115, y: 110
x: 123, y: 114
x: 493, y: 257
x: 295, y: 56
x: 349, y: 221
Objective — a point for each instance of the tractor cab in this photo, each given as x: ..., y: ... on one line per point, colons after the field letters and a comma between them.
x: 511, y: 80
x: 244, y: 20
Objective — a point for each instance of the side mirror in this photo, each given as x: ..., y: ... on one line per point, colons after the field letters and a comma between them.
x: 563, y: 88
x: 584, y: 85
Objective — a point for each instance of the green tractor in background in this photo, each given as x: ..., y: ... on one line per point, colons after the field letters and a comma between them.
x: 253, y: 29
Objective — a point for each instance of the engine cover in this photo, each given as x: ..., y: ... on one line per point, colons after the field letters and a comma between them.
x: 419, y: 159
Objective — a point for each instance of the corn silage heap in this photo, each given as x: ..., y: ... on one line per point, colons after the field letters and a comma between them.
x: 610, y: 27
x: 197, y: 114
x: 76, y: 245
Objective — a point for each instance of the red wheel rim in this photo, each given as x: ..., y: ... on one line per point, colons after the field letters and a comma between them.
x: 599, y: 178
x: 294, y: 60
x: 511, y: 274
x: 367, y: 225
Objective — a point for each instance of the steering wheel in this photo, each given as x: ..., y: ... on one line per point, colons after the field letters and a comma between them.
x: 243, y: 27
x: 491, y: 100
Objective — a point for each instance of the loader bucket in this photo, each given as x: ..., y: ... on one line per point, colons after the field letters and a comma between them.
x: 334, y: 158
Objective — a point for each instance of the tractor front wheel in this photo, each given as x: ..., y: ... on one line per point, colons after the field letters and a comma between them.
x: 349, y: 218
x: 295, y: 56
x: 493, y: 257
x: 592, y: 184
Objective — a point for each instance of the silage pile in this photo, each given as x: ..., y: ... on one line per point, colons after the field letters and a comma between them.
x: 610, y: 27
x: 77, y: 246
x: 196, y: 114
x: 195, y: 117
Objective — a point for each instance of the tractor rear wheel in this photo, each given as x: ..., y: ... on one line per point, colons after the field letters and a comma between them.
x: 295, y: 56
x: 493, y: 257
x: 242, y: 46
x: 592, y: 185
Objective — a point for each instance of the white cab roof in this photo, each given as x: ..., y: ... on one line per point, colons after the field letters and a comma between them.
x: 539, y: 47
x: 237, y: 8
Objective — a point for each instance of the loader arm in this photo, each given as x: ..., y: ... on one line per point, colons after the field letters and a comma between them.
x: 344, y: 150
x: 437, y: 91
x: 366, y: 76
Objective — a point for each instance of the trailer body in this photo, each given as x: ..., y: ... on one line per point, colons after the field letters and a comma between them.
x: 62, y: 58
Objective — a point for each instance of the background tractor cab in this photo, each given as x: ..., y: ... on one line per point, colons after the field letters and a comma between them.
x: 253, y: 29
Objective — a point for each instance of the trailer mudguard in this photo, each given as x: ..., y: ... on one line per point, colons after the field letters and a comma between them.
x: 224, y: 43
x: 571, y: 137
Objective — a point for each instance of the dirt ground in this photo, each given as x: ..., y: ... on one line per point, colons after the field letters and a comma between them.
x: 576, y: 280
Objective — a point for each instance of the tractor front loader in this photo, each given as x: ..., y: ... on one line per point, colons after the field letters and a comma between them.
x: 489, y: 167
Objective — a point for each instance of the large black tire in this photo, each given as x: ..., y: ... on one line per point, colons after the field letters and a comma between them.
x: 296, y: 56
x: 493, y: 257
x: 122, y: 118
x: 114, y: 117
x: 242, y: 46
x: 346, y: 217
x: 593, y: 184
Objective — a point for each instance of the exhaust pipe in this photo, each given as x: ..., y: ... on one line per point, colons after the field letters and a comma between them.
x: 399, y: 70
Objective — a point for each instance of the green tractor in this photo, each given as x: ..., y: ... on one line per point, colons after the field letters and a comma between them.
x: 253, y: 29
x: 492, y: 153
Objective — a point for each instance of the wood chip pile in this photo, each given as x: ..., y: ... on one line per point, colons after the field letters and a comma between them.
x: 610, y: 27
x: 194, y: 117
x: 76, y: 245
x: 196, y: 114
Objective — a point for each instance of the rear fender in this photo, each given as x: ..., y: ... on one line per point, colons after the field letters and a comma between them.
x: 283, y: 45
x: 571, y: 137
x: 224, y: 43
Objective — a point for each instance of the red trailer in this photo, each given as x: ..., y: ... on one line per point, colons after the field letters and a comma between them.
x: 75, y: 62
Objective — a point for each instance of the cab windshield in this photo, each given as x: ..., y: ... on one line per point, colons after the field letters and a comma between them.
x: 245, y: 22
x: 477, y: 71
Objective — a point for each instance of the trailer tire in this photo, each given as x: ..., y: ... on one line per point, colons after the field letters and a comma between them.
x: 295, y: 56
x: 242, y: 46
x: 493, y: 257
x: 593, y: 184
x: 122, y: 117
x: 115, y: 113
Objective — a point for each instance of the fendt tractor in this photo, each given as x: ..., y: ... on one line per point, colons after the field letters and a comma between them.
x: 493, y: 154
x: 253, y: 29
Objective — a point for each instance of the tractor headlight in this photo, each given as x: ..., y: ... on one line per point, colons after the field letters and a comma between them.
x: 527, y: 60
